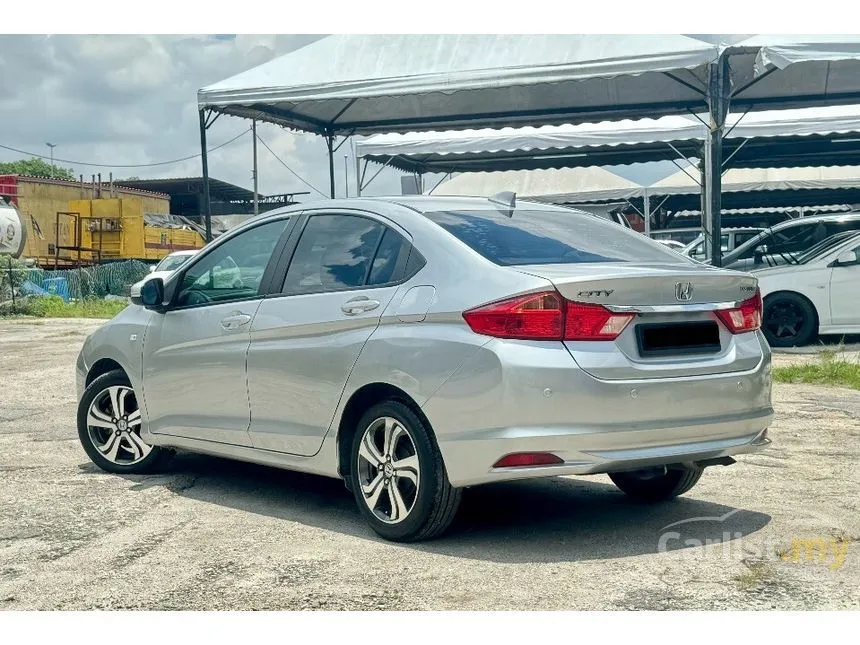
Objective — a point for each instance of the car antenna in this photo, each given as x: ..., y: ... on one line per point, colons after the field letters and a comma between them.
x: 508, y: 199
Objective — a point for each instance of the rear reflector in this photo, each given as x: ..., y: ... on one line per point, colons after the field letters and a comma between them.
x: 523, y: 459
x: 546, y: 316
x: 746, y: 317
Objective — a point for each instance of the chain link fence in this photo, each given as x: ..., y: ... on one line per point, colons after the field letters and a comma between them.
x: 114, y: 279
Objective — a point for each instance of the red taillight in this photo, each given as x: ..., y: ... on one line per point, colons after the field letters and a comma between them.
x: 537, y: 316
x: 745, y: 318
x: 593, y: 322
x: 523, y: 459
x: 546, y: 316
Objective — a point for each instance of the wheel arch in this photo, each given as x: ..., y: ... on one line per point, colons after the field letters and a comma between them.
x: 359, y: 402
x: 103, y: 366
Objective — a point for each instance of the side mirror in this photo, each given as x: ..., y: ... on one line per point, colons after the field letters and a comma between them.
x: 151, y: 268
x: 846, y: 258
x: 152, y: 294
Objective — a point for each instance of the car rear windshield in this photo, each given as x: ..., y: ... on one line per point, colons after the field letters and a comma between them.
x: 550, y: 237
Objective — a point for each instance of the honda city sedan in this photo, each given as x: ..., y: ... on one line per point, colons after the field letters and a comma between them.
x: 416, y: 346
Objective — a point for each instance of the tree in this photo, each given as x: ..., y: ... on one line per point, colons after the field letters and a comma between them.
x: 35, y: 167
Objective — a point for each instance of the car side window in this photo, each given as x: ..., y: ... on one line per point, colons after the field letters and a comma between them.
x: 339, y: 252
x: 234, y: 269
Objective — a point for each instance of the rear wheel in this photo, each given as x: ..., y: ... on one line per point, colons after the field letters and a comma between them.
x: 658, y: 484
x: 789, y: 320
x: 398, y: 477
x: 109, y: 427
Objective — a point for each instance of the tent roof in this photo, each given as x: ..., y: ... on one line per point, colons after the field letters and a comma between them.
x: 813, y: 136
x: 345, y: 84
x: 573, y: 185
x: 566, y: 185
x: 762, y: 179
x: 362, y: 84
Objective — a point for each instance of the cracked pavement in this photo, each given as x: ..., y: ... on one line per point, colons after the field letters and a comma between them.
x: 213, y: 534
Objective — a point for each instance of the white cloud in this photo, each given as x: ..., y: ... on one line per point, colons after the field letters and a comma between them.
x: 132, y: 100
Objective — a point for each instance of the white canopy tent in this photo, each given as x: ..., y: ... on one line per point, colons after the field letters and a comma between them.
x: 344, y: 85
x: 606, y: 143
x: 582, y: 185
x: 561, y: 186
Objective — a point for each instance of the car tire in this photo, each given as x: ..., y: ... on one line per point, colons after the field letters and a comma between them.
x: 111, y: 436
x: 646, y: 486
x: 409, y: 503
x: 788, y: 320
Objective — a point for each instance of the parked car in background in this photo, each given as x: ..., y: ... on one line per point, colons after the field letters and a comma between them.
x: 168, y: 264
x: 730, y: 239
x: 779, y: 244
x: 354, y: 348
x: 672, y: 244
x: 682, y: 235
x: 817, y: 292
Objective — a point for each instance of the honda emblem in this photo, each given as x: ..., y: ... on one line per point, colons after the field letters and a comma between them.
x: 683, y: 291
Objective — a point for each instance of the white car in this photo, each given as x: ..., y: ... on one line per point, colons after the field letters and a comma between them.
x: 169, y: 263
x: 818, y: 292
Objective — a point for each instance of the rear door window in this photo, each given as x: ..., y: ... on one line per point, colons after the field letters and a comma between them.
x: 550, y: 237
x: 341, y: 252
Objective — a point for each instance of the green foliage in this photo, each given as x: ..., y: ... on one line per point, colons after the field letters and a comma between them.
x: 829, y: 369
x: 56, y: 307
x: 35, y: 167
x: 11, y: 279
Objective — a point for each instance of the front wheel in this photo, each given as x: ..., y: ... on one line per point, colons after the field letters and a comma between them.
x: 398, y: 477
x: 109, y: 427
x: 657, y: 485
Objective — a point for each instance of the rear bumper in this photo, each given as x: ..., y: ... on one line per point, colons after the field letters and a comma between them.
x: 530, y: 397
x: 587, y: 451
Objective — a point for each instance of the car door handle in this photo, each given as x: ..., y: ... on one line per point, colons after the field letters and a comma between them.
x: 359, y: 305
x: 234, y: 321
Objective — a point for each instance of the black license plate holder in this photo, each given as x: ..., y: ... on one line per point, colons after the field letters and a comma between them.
x: 678, y: 339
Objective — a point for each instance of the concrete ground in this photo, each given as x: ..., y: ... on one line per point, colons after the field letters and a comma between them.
x: 211, y: 534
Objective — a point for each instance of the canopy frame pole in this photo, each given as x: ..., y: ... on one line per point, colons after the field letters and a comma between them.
x: 256, y: 194
x: 439, y: 183
x: 734, y: 152
x: 719, y: 97
x: 646, y: 201
x: 207, y: 206
x: 376, y: 174
x: 357, y: 162
x: 329, y: 141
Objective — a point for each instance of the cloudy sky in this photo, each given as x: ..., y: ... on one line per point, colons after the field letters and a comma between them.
x: 125, y: 100
x: 132, y: 100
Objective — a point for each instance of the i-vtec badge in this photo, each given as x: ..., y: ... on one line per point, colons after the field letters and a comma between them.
x: 596, y: 294
x: 683, y: 291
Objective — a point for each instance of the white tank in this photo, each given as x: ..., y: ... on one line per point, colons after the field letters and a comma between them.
x: 13, y: 235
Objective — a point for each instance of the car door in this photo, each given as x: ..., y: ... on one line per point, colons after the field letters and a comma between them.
x: 845, y: 292
x: 344, y: 269
x: 194, y: 375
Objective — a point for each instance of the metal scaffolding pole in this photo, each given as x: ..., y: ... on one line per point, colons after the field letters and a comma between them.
x: 256, y: 194
x: 207, y: 207
x: 330, y: 144
x: 647, y: 213
x: 718, y: 96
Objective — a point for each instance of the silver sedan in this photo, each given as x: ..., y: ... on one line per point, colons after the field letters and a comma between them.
x: 416, y: 346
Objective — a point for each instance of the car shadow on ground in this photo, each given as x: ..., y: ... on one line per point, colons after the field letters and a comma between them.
x: 545, y: 520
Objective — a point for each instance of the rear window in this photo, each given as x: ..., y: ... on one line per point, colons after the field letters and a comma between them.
x: 548, y: 237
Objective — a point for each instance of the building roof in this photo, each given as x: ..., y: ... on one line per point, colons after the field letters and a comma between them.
x: 218, y: 189
x: 87, y: 184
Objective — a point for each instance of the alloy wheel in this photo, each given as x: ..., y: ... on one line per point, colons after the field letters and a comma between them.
x: 784, y: 319
x: 113, y: 425
x: 388, y: 470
